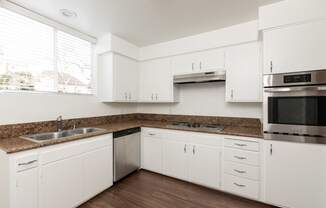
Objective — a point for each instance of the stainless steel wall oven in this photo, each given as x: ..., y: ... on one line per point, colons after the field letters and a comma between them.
x: 295, y: 107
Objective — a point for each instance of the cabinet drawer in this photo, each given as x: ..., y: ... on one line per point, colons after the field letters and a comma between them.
x: 241, y: 186
x: 241, y: 144
x: 26, y: 162
x: 148, y: 132
x: 244, y: 171
x: 240, y: 156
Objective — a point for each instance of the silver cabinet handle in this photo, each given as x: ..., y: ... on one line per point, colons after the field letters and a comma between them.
x: 232, y: 94
x: 239, y: 171
x: 185, y: 149
x: 152, y: 96
x: 126, y: 96
x: 151, y: 134
x: 192, y: 66
x: 271, y: 66
x: 194, y: 150
x: 239, y: 185
x: 271, y: 149
x: 240, y: 145
x: 156, y: 96
x: 27, y: 163
x: 240, y: 158
x: 200, y: 65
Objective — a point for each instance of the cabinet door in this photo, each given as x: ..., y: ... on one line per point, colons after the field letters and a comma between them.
x: 184, y: 64
x: 27, y: 189
x: 163, y: 81
x: 125, y: 78
x: 295, y: 174
x: 295, y: 48
x: 211, y: 60
x: 175, y: 162
x: 146, y: 81
x: 205, y: 165
x: 156, y: 81
x: 61, y: 183
x: 244, y: 73
x: 97, y: 171
x: 152, y: 154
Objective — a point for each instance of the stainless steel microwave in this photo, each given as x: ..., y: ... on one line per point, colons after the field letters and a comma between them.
x: 295, y: 106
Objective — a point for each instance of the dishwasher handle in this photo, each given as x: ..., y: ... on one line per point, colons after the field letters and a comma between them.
x: 126, y: 132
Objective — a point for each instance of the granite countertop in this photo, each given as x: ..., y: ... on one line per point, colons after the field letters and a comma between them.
x: 13, y: 145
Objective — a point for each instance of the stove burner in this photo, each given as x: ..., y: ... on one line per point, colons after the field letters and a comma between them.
x: 188, y: 125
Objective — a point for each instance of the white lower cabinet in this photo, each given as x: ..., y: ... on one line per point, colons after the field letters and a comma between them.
x: 295, y: 174
x: 26, y: 189
x: 242, y: 167
x: 204, y: 165
x: 189, y: 156
x: 175, y: 159
x: 59, y: 180
x: 152, y: 153
x: 97, y: 171
x: 64, y: 175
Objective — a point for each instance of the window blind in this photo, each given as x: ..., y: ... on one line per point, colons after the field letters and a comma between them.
x: 37, y: 57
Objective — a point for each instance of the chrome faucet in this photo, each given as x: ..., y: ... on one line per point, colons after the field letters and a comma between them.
x: 59, y: 123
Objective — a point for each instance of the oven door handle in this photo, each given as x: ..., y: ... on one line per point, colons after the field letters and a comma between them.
x: 296, y: 89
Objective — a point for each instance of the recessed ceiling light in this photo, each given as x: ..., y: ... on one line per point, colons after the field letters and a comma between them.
x: 68, y: 13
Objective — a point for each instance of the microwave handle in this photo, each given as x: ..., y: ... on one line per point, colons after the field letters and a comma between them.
x: 296, y: 89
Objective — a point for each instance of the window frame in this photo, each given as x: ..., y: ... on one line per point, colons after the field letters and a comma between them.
x: 55, y: 27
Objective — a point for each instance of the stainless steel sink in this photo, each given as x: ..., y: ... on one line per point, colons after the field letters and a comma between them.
x: 60, y: 134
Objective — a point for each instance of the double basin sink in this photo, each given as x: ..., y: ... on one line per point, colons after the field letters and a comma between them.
x: 60, y: 134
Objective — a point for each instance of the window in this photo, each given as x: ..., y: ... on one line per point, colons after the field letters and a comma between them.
x: 38, y: 57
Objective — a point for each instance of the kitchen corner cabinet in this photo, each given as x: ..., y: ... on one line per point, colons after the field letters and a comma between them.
x: 156, y: 82
x: 295, y: 174
x: 189, y: 156
x: 244, y: 73
x: 295, y: 48
x: 151, y: 151
x: 206, y: 61
x: 118, y: 78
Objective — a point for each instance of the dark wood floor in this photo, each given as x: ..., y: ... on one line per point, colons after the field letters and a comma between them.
x: 149, y: 190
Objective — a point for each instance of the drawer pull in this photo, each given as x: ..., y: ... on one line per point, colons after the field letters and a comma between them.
x: 239, y: 171
x: 27, y: 163
x: 151, y: 134
x: 240, y: 158
x: 239, y: 185
x: 240, y: 145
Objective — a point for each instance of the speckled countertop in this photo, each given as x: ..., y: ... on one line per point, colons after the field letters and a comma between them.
x: 17, y: 144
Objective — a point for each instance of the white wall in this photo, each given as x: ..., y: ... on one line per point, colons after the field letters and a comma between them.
x: 204, y: 99
x: 31, y: 107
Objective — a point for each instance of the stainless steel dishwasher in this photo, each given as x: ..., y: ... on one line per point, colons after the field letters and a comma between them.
x: 126, y: 152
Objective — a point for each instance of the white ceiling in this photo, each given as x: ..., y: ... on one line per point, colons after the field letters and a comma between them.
x: 144, y: 22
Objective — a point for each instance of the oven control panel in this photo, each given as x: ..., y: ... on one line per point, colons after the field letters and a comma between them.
x: 298, y: 78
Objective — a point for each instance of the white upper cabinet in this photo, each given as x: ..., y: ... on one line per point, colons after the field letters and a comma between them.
x: 156, y: 81
x: 295, y: 48
x: 244, y: 73
x: 295, y: 174
x: 212, y: 60
x: 118, y: 78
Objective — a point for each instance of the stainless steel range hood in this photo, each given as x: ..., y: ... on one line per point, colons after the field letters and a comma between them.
x: 201, y: 77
